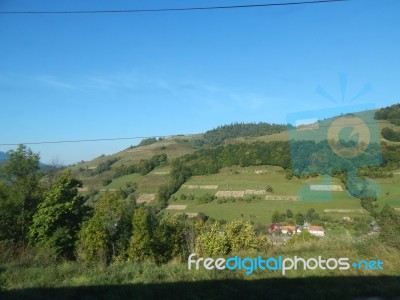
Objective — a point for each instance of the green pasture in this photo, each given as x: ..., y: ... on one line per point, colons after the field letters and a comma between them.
x: 256, y: 208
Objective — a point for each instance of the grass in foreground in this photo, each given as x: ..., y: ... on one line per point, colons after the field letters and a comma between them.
x: 174, y: 281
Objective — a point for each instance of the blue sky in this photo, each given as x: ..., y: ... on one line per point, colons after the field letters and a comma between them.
x: 66, y: 77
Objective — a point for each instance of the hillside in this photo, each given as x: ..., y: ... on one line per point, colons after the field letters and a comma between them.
x: 242, y: 187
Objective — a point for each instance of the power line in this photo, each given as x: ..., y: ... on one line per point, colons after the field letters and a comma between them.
x: 161, y: 10
x: 83, y: 141
x: 177, y: 135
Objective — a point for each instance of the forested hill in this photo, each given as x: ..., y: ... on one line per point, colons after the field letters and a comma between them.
x: 218, y: 135
x: 390, y: 113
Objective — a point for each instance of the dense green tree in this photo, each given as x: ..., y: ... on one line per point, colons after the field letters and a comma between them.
x: 141, y: 242
x: 289, y: 214
x: 236, y: 236
x: 390, y: 134
x: 299, y: 219
x: 212, y: 242
x: 58, y: 217
x: 170, y: 239
x: 20, y: 194
x: 105, y: 235
x: 241, y: 236
x: 390, y: 113
x: 277, y: 217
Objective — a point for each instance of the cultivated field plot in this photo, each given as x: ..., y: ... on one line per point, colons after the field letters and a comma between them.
x: 192, y: 215
x: 326, y: 188
x: 282, y: 198
x: 176, y: 207
x: 255, y: 192
x: 258, y: 209
x: 200, y: 187
x: 345, y: 211
x: 229, y: 194
x: 145, y: 198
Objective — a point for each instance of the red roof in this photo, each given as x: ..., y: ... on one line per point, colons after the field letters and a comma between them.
x: 316, y: 228
x: 291, y: 228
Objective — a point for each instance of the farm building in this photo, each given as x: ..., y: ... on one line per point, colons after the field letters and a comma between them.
x: 314, y: 230
x: 289, y: 230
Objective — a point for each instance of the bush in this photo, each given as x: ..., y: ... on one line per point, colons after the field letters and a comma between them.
x: 207, y: 198
x: 302, y: 237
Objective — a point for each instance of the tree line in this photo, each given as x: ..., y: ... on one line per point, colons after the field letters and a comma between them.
x: 390, y: 113
x: 143, y: 167
x: 219, y: 135
x: 51, y: 217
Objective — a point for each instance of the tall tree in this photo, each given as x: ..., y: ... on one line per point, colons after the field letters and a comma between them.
x: 21, y: 194
x: 105, y: 236
x: 141, y: 243
x: 57, y: 219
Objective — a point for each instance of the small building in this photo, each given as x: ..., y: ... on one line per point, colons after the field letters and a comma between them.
x: 289, y: 230
x: 316, y: 230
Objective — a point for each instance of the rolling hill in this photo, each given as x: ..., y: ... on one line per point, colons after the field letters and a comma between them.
x: 241, y: 191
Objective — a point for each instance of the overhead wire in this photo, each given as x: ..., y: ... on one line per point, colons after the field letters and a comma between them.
x: 172, y: 9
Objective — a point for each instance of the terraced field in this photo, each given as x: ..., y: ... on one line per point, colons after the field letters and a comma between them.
x: 255, y: 207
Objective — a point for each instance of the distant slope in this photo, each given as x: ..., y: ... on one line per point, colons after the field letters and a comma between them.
x: 176, y: 146
x: 173, y: 147
x: 221, y: 134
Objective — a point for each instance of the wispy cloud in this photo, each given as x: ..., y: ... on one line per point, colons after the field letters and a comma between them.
x: 214, y: 97
x: 54, y: 82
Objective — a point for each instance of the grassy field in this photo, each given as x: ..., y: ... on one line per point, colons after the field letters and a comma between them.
x: 390, y: 190
x: 173, y: 147
x: 260, y: 210
x: 70, y: 280
x: 121, y: 182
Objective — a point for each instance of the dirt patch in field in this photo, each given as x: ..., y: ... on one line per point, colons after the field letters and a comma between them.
x: 176, y: 207
x: 229, y: 194
x: 161, y: 173
x: 200, y: 187
x: 326, y: 188
x: 255, y: 192
x: 192, y: 215
x: 344, y: 211
x: 83, y: 189
x: 146, y: 198
x: 282, y: 198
